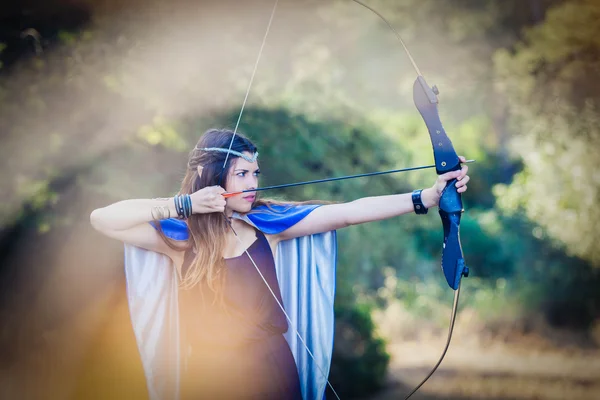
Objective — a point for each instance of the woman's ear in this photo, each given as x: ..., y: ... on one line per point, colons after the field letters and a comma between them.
x: 200, y: 168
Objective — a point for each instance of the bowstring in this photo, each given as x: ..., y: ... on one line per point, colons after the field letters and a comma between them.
x: 262, y: 46
x: 230, y: 223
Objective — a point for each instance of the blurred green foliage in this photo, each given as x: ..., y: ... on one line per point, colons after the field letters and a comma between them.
x: 551, y: 84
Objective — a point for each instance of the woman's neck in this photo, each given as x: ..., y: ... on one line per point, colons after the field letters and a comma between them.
x: 237, y: 224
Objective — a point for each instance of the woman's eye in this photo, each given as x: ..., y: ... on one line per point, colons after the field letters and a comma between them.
x: 243, y: 173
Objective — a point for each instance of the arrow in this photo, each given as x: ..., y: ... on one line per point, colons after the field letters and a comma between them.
x: 392, y: 171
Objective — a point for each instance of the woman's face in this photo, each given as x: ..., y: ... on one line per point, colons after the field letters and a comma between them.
x: 243, y: 175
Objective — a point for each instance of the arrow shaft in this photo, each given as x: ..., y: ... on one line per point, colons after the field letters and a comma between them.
x: 339, y: 178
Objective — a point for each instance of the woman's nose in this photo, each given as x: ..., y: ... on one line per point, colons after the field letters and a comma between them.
x: 252, y: 183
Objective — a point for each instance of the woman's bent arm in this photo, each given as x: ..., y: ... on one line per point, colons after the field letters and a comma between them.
x: 127, y: 221
x: 129, y: 213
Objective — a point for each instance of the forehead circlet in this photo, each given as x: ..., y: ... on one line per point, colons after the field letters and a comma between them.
x: 231, y: 152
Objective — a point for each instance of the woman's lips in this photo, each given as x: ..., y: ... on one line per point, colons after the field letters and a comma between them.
x: 250, y: 198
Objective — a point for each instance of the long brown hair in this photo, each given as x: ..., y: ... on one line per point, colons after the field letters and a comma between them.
x: 208, y: 232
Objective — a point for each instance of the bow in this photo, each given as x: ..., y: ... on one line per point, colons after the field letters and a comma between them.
x: 450, y: 204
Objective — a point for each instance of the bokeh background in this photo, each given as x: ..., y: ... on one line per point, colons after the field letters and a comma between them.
x: 101, y: 101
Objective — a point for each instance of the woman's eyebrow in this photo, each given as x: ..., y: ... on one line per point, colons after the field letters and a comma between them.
x: 245, y: 170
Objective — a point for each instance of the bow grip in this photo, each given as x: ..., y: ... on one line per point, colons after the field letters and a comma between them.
x: 450, y: 209
x: 450, y: 199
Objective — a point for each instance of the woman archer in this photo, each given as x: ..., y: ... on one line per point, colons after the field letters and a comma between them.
x: 228, y: 295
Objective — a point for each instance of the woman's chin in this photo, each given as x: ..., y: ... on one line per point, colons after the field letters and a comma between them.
x: 242, y: 209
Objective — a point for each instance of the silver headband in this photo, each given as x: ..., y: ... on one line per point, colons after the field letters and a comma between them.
x: 232, y: 152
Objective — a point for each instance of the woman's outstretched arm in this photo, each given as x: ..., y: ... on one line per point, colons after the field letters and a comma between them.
x: 336, y: 216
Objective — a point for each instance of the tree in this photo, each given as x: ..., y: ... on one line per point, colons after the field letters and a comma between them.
x: 550, y: 81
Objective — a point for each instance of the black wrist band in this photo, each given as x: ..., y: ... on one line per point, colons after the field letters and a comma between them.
x: 418, y: 203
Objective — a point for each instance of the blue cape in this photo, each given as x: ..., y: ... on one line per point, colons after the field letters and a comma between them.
x: 305, y: 269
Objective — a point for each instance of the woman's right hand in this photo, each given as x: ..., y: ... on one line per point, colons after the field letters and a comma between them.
x: 208, y: 200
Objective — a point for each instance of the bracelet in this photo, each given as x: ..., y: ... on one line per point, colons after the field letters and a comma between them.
x: 160, y: 212
x: 188, y: 205
x: 418, y: 203
x: 178, y: 209
x: 183, y: 205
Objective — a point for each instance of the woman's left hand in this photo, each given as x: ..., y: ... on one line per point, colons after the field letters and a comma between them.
x: 433, y: 194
